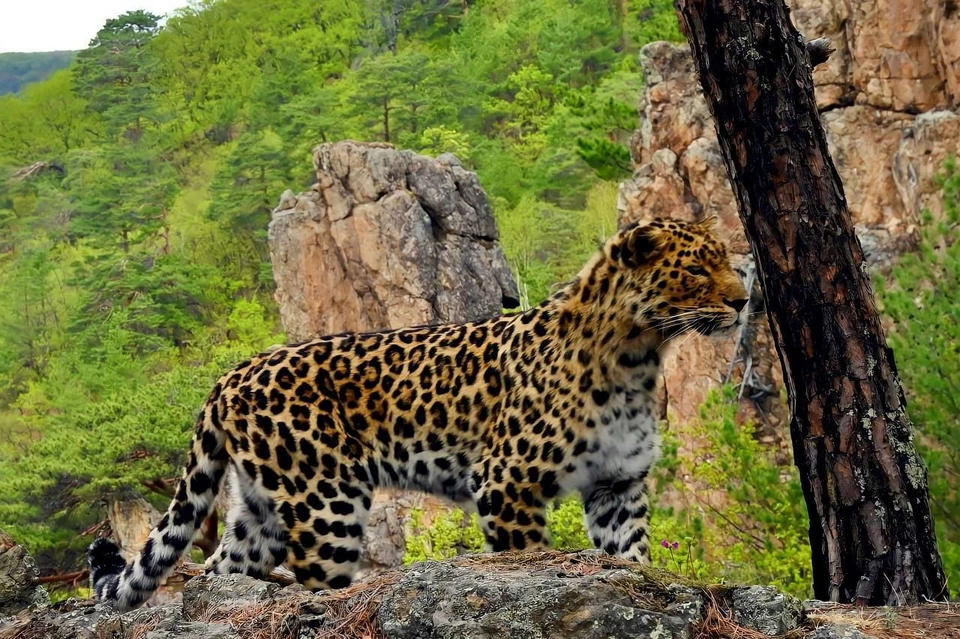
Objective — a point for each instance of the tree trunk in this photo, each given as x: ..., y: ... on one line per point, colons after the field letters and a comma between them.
x: 871, y: 530
x: 386, y: 120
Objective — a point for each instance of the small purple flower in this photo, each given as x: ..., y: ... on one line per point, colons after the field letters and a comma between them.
x: 675, y: 545
x: 665, y: 543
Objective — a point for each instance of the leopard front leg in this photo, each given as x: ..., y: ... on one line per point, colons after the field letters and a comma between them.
x: 512, y: 512
x: 616, y: 515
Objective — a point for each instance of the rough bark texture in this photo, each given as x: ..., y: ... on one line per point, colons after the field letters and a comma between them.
x: 131, y: 519
x: 19, y: 587
x: 871, y: 529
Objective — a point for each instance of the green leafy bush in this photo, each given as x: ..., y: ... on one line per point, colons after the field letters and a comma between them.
x: 449, y: 534
x: 740, y: 516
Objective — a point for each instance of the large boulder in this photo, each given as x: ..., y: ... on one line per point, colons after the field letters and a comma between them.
x: 537, y: 595
x: 535, y: 598
x: 19, y: 587
x: 386, y: 239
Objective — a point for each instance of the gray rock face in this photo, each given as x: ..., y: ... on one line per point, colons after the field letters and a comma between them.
x: 18, y: 579
x: 765, y: 609
x: 838, y: 631
x: 386, y: 239
x: 550, y: 595
x: 195, y: 631
x: 452, y: 600
x: 220, y: 593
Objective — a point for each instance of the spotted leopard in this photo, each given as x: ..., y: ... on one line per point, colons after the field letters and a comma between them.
x: 504, y: 415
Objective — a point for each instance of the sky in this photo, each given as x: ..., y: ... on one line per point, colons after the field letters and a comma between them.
x: 52, y: 25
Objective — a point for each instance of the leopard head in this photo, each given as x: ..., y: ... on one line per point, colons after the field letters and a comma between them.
x: 676, y: 277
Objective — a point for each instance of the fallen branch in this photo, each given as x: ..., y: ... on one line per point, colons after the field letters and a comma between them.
x: 68, y: 577
x: 278, y: 575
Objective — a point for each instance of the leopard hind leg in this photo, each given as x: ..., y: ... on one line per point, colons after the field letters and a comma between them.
x: 254, y: 539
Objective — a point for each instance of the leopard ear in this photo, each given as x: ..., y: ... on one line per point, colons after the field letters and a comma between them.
x: 709, y: 224
x: 638, y: 245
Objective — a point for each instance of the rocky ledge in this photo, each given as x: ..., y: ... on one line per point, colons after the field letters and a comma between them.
x: 585, y: 595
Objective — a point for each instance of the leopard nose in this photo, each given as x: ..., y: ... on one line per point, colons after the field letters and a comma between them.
x: 737, y: 305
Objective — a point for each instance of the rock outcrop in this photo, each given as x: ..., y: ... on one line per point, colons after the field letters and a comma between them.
x: 587, y: 595
x: 19, y: 587
x: 386, y: 239
x: 888, y: 97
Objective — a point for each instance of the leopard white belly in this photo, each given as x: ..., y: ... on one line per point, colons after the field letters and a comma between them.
x: 624, y: 444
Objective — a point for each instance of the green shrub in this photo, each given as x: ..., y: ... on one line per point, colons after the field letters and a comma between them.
x: 922, y: 297
x: 744, y: 520
x: 448, y: 535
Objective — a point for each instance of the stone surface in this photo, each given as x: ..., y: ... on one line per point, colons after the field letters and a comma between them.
x: 887, y: 155
x: 765, y: 609
x: 220, y: 593
x: 384, y: 239
x: 447, y: 600
x: 587, y: 595
x: 837, y: 631
x: 68, y: 620
x: 194, y: 631
x: 900, y: 55
x: 19, y: 588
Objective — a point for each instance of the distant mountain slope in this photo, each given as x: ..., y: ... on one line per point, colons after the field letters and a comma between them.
x: 19, y: 69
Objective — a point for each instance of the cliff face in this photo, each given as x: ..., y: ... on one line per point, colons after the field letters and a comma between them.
x: 385, y: 239
x: 887, y: 97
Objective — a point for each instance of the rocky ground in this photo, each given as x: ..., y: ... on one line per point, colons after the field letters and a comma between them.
x: 585, y: 595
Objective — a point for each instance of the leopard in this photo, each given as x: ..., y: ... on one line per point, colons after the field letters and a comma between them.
x: 503, y: 415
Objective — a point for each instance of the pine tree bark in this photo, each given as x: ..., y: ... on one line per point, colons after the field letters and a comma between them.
x: 871, y: 529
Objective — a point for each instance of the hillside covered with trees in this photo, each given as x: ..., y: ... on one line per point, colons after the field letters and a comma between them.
x: 20, y: 69
x: 134, y: 266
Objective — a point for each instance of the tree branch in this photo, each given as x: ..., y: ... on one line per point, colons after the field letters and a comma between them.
x: 819, y: 50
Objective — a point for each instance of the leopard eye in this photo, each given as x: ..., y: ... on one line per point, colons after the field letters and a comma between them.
x: 697, y: 271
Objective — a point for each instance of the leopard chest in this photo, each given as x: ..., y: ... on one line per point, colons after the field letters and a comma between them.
x: 624, y: 443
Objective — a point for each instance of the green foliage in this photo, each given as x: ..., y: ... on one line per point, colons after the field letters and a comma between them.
x: 448, y: 534
x: 565, y: 523
x: 452, y: 533
x: 743, y: 518
x: 922, y: 297
x: 20, y: 69
x: 113, y: 74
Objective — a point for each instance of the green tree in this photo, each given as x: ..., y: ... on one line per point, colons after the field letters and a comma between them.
x: 122, y: 193
x: 247, y: 188
x: 113, y: 74
x: 922, y: 297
